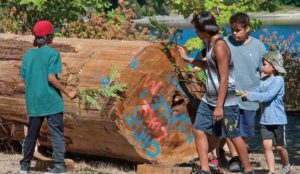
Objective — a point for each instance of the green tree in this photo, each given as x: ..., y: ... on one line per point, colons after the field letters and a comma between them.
x: 186, y: 7
x: 56, y: 10
x: 269, y: 5
x: 291, y: 2
x: 222, y: 9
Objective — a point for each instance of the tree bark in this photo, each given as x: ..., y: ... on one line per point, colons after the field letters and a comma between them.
x: 153, y: 123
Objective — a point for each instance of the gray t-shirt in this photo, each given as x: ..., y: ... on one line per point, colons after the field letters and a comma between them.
x: 247, y: 60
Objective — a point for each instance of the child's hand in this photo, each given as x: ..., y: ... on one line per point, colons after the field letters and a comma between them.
x: 72, y: 94
x: 182, y: 52
x: 244, y: 96
x: 262, y: 75
x: 218, y: 113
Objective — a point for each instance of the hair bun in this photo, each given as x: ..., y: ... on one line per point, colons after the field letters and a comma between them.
x: 211, y: 28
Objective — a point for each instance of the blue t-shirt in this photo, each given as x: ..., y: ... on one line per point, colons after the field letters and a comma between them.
x: 42, y: 98
x: 270, y: 95
x: 247, y: 60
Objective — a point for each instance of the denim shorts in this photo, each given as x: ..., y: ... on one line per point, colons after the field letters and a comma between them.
x: 246, y: 123
x: 276, y: 133
x: 227, y: 127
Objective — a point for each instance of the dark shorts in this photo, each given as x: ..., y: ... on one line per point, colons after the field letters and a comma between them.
x: 276, y: 133
x: 227, y: 127
x: 246, y: 123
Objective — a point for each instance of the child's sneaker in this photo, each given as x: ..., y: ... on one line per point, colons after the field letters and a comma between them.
x: 235, y: 164
x: 249, y: 172
x: 202, y: 172
x: 214, y: 163
x: 285, y: 170
x: 56, y: 171
x: 24, y: 169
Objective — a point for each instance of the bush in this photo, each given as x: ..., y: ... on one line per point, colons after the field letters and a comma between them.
x: 11, y: 22
x: 291, y: 2
x: 55, y: 10
x: 115, y: 25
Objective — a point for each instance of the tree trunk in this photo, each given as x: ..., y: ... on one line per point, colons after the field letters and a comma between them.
x: 151, y: 124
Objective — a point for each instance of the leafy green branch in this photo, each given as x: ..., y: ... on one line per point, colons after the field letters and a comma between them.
x: 89, y: 97
x: 191, y: 74
x: 113, y: 90
x: 187, y: 75
x: 194, y: 44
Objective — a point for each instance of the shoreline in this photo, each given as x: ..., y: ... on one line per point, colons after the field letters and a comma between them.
x: 178, y: 21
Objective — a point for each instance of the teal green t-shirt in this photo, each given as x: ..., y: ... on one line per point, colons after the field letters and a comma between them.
x: 42, y: 98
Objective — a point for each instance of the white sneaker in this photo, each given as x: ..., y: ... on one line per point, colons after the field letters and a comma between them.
x: 56, y: 171
x: 23, y: 172
x: 285, y: 170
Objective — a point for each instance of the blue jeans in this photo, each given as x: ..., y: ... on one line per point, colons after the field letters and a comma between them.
x: 56, y: 128
x: 247, y: 123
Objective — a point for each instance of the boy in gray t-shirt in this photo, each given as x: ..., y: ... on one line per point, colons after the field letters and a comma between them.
x: 246, y: 53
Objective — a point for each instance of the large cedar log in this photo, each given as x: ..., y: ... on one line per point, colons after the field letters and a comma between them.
x: 151, y: 124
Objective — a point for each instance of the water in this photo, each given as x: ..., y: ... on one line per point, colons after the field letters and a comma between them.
x: 283, y: 31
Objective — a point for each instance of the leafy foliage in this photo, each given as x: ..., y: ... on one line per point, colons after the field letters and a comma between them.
x: 155, y: 7
x: 269, y: 5
x: 78, y: 19
x: 291, y: 2
x: 201, y: 76
x: 184, y: 75
x: 89, y: 97
x: 195, y: 73
x: 186, y: 7
x: 189, y: 68
x: 162, y: 31
x: 57, y: 10
x: 158, y: 26
x: 114, y: 90
x: 194, y: 44
x: 116, y: 25
x: 223, y: 9
x: 11, y: 22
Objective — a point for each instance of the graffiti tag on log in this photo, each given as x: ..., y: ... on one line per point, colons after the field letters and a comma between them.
x: 150, y: 121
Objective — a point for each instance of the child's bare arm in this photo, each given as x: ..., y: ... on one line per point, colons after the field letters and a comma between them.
x: 221, y: 52
x: 54, y: 81
x: 198, y: 63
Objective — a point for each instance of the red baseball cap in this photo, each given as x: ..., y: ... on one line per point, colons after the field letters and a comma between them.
x: 42, y: 28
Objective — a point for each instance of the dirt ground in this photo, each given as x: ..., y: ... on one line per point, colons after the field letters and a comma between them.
x: 9, y: 164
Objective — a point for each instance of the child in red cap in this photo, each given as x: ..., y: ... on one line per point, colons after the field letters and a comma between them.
x: 40, y: 67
